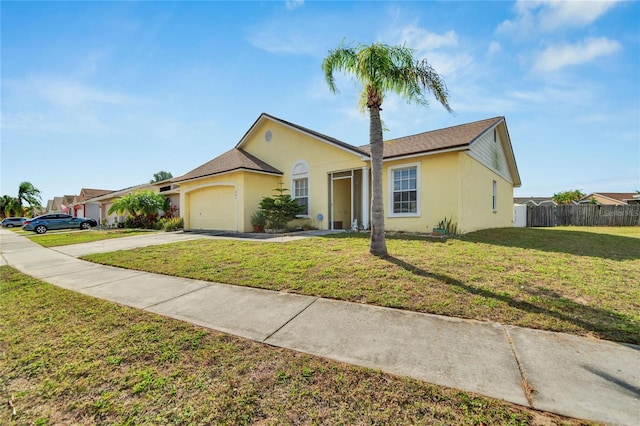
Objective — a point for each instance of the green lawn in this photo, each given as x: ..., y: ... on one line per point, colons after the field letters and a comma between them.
x: 67, y: 237
x: 66, y: 358
x: 577, y: 280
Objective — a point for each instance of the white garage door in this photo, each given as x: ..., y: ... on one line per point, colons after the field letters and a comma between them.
x: 213, y: 208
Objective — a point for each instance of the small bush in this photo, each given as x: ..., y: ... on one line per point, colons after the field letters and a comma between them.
x: 141, y: 221
x: 280, y: 209
x: 170, y: 224
x: 449, y: 226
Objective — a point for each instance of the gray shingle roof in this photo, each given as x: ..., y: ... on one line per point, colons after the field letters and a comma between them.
x: 234, y: 159
x: 436, y: 140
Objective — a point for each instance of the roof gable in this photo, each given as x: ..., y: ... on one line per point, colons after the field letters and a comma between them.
x: 493, y: 149
x: 316, y: 135
x: 67, y: 200
x: 232, y: 160
x: 90, y: 193
x: 57, y: 201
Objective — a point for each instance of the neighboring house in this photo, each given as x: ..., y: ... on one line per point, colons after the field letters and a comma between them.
x: 534, y: 201
x: 67, y: 204
x: 56, y: 205
x: 83, y: 207
x: 105, y: 202
x: 465, y: 173
x: 170, y: 190
x: 611, y: 198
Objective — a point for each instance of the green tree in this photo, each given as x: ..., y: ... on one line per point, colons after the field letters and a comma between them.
x: 142, y: 205
x: 567, y: 197
x: 160, y: 176
x: 280, y: 208
x: 382, y: 68
x: 29, y: 193
x: 10, y: 206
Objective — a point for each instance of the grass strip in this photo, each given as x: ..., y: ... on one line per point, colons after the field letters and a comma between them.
x: 577, y: 280
x: 67, y: 358
x: 64, y: 238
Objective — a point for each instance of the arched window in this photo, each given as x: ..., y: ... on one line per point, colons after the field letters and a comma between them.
x: 300, y: 185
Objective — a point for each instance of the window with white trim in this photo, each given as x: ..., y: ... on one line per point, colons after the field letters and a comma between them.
x: 495, y: 196
x: 300, y: 186
x: 404, y: 190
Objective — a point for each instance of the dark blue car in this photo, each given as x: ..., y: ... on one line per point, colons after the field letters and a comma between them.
x: 10, y: 222
x: 42, y: 224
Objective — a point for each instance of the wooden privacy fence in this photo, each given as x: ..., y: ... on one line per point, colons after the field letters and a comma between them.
x: 583, y: 215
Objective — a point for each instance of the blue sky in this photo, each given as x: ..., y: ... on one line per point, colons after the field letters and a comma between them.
x: 105, y: 94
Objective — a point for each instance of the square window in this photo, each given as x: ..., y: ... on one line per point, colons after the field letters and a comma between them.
x: 405, y: 194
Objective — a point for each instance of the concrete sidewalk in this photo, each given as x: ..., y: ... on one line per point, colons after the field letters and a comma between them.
x: 560, y: 373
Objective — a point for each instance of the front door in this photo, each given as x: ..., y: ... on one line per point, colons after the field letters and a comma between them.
x: 345, y: 199
x: 342, y: 211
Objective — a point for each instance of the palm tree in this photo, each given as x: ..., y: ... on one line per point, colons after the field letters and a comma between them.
x: 29, y: 193
x: 382, y: 68
x: 9, y: 206
x: 143, y: 202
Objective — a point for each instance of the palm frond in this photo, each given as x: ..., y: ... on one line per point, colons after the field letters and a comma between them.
x: 382, y: 68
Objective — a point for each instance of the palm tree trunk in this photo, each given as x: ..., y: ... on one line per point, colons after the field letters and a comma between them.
x: 378, y: 245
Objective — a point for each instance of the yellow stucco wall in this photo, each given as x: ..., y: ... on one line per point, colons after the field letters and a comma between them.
x: 476, y: 209
x: 289, y: 146
x: 438, y: 192
x: 250, y: 188
x: 452, y: 186
x: 255, y: 187
x: 187, y: 188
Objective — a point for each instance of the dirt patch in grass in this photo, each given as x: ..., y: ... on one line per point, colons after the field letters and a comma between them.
x: 567, y: 280
x: 71, y: 359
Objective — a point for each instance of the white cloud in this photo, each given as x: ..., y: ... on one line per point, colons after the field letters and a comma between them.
x: 560, y: 56
x: 289, y: 43
x: 494, y: 48
x: 550, y: 15
x: 281, y: 38
x: 64, y: 106
x: 451, y: 65
x: 66, y: 93
x: 424, y: 41
x: 293, y: 4
x: 592, y: 118
x: 441, y: 50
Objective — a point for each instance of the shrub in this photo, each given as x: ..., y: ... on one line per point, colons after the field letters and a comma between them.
x: 449, y: 226
x: 280, y: 208
x: 170, y: 224
x: 259, y: 218
x: 141, y: 221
